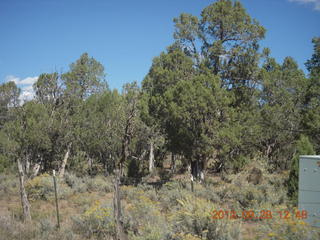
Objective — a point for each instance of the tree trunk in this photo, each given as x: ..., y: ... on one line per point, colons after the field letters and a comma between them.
x: 204, y: 165
x: 27, y: 165
x: 197, y: 169
x: 64, y: 162
x: 120, y: 234
x: 36, y: 169
x: 125, y: 154
x: 173, y: 163
x: 151, y: 158
x: 24, y: 199
x: 194, y: 170
x: 201, y: 176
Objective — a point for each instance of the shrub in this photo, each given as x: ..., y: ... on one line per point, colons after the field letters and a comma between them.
x: 193, y: 219
x: 10, y: 229
x: 169, y: 194
x: 13, y: 230
x: 127, y: 192
x: 97, y: 221
x: 46, y: 227
x: 287, y: 230
x: 206, y: 193
x: 4, y: 163
x: 9, y: 185
x: 100, y: 184
x: 143, y: 218
x: 149, y: 191
x: 240, y: 193
x: 184, y: 236
x: 41, y: 187
x: 76, y: 183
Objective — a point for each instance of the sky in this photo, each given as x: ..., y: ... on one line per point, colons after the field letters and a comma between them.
x: 43, y: 36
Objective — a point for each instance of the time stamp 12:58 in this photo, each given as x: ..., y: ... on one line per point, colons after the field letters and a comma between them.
x: 257, y: 215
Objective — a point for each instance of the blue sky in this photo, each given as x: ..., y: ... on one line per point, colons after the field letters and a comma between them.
x: 40, y: 36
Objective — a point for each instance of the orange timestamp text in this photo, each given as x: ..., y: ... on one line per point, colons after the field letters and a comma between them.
x: 257, y: 215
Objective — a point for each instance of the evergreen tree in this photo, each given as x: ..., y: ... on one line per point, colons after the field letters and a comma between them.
x: 283, y: 90
x: 303, y: 147
x: 311, y: 117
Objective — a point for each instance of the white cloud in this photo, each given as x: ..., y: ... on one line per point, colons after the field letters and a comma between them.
x: 18, y: 81
x: 11, y: 78
x: 27, y: 93
x: 316, y: 3
x: 25, y: 85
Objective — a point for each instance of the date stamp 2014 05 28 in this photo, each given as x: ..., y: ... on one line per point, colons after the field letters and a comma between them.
x: 257, y: 215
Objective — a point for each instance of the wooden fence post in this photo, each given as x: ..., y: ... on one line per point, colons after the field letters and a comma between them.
x: 56, y: 197
x: 117, y: 204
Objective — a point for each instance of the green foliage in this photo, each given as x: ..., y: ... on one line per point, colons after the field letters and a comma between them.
x: 224, y: 29
x: 190, y: 98
x: 207, y: 97
x: 46, y: 88
x: 311, y: 116
x: 166, y: 71
x: 188, y: 106
x: 86, y: 77
x: 99, y: 130
x: 313, y: 64
x: 9, y: 97
x: 284, y: 87
x: 303, y: 147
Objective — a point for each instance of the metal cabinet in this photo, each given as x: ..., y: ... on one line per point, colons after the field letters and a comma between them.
x: 309, y: 188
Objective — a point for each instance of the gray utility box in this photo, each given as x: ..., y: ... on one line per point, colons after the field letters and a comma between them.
x: 309, y: 188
